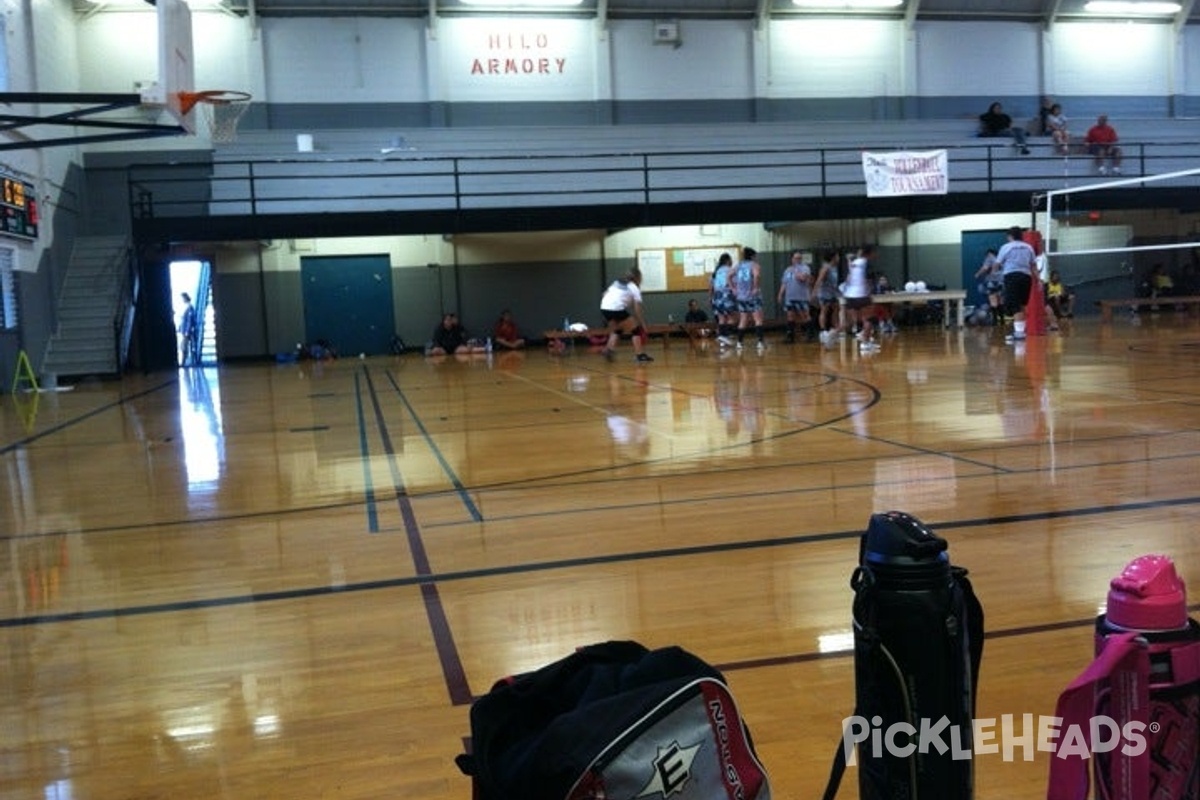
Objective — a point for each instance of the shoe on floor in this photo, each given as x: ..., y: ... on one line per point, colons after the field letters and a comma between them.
x: 1013, y: 338
x: 642, y: 358
x: 609, y: 354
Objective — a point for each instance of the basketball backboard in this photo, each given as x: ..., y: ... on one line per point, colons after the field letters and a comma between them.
x: 176, y: 64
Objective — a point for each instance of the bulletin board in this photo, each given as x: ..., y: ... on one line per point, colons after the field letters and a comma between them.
x: 680, y: 269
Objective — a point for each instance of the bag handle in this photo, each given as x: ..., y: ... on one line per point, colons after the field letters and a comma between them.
x: 1124, y: 660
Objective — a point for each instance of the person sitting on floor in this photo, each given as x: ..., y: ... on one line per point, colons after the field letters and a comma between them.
x: 506, y: 333
x: 450, y: 338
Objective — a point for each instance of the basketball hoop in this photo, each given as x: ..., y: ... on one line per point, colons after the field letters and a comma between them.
x: 222, y: 109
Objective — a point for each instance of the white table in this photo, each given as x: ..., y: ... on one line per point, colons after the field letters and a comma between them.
x: 955, y: 297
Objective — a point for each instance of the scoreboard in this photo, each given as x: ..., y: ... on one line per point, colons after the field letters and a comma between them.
x: 18, y: 208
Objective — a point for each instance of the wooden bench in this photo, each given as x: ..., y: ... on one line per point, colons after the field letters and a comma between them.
x: 1191, y: 302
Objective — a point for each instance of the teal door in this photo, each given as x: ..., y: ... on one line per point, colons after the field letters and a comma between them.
x: 975, y: 245
x: 348, y: 303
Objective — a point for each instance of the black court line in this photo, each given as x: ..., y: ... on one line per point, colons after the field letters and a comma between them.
x: 459, y: 489
x: 1003, y: 633
x: 439, y: 625
x: 28, y: 440
x: 309, y: 429
x: 570, y: 563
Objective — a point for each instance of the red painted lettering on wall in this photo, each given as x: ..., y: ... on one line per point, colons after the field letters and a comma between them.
x: 517, y: 63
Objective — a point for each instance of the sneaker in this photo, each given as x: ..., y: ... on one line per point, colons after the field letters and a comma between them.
x: 1104, y: 170
x: 1116, y: 170
x: 609, y: 355
x: 761, y: 345
x: 724, y: 341
x: 1013, y: 338
x: 643, y: 358
x: 739, y: 345
x: 1024, y: 151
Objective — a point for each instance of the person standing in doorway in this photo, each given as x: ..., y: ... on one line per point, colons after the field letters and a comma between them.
x: 189, y: 331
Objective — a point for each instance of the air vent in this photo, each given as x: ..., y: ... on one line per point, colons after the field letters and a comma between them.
x: 666, y: 32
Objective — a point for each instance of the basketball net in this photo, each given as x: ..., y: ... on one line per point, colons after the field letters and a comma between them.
x: 221, y: 111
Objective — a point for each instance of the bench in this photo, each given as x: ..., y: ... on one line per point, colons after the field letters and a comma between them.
x: 1192, y: 302
x: 955, y: 297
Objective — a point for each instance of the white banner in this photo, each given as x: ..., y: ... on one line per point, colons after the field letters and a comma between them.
x: 894, y: 174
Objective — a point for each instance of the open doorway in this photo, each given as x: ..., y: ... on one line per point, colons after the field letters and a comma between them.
x: 195, y: 328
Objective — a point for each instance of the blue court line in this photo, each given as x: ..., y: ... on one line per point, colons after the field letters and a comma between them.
x: 8, y: 448
x: 365, y: 453
x: 463, y: 494
x: 453, y: 671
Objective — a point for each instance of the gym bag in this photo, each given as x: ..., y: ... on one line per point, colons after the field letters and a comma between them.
x: 613, y: 721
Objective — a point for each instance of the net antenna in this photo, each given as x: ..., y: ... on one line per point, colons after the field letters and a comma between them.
x: 221, y: 110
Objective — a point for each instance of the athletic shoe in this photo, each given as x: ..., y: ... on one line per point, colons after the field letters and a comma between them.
x: 1116, y: 170
x: 609, y: 355
x: 739, y: 345
x: 642, y: 358
x: 1104, y: 170
x: 761, y: 346
x: 724, y: 341
x: 1013, y: 338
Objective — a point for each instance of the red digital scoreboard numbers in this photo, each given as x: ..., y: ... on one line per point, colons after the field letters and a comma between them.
x: 18, y: 208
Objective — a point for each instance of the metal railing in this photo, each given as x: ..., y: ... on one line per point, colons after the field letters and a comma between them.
x: 355, y: 184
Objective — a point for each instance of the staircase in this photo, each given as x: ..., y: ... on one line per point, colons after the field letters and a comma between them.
x: 94, y: 308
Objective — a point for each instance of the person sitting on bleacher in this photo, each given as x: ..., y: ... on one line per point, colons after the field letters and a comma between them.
x: 996, y: 123
x: 1101, y: 141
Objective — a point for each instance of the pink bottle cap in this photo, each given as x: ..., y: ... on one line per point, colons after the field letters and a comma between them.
x: 1148, y: 595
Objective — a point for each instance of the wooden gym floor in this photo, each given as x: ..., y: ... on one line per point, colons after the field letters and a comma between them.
x: 288, y: 581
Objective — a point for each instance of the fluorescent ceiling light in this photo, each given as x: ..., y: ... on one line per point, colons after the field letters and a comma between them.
x: 836, y: 5
x: 1130, y: 7
x: 523, y: 3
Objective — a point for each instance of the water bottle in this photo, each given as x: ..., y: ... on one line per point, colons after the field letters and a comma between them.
x: 918, y: 631
x: 1146, y: 680
x: 566, y: 323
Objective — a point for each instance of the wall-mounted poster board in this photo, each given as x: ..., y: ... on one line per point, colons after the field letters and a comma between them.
x: 680, y: 269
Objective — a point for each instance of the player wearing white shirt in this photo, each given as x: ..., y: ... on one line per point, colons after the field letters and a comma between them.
x: 858, y: 297
x: 621, y: 307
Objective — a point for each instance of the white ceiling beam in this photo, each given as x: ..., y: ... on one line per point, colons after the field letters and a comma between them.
x: 761, y: 14
x: 1052, y: 13
x: 1184, y: 15
x: 910, y: 13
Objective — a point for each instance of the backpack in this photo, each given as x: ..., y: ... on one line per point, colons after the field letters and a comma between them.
x: 613, y: 721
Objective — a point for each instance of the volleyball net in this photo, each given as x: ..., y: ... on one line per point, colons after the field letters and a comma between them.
x: 1108, y: 238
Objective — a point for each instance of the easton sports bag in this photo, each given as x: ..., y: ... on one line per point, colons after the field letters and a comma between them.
x: 613, y: 721
x: 1137, y: 705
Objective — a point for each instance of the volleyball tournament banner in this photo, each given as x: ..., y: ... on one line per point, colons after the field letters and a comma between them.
x: 895, y: 174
